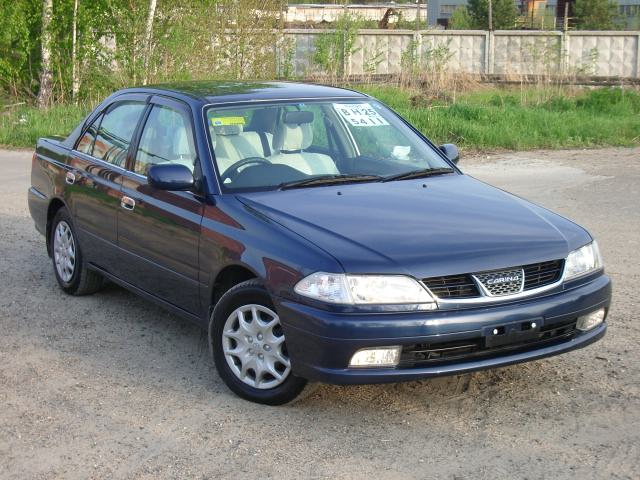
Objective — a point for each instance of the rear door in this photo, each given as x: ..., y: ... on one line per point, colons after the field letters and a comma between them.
x: 95, y: 181
x: 159, y: 231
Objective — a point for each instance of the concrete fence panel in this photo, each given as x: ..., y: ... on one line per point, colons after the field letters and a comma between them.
x: 302, y: 43
x: 604, y: 54
x: 527, y: 53
x: 507, y: 53
x: 466, y: 49
x: 379, y: 52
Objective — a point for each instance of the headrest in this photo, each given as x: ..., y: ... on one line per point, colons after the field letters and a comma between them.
x: 227, y: 129
x: 292, y: 137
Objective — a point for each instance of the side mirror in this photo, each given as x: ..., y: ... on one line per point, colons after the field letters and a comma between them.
x: 169, y: 176
x: 451, y: 152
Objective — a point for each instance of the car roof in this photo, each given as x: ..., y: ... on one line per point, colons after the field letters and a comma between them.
x: 217, y: 92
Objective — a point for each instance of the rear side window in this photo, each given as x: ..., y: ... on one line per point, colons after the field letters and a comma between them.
x: 115, y: 132
x: 167, y: 138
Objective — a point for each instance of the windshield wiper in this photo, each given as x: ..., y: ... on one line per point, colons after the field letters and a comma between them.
x: 425, y: 172
x: 328, y: 180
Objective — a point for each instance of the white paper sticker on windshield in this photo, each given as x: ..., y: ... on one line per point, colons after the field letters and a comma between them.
x: 360, y: 114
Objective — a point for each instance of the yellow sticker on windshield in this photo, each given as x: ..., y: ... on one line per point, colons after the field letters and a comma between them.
x: 219, y: 121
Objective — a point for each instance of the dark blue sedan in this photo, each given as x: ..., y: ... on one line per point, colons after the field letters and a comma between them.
x: 314, y: 233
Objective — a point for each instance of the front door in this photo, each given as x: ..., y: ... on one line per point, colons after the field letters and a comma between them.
x: 159, y: 231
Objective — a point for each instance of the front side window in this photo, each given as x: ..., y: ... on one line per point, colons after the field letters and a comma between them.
x: 263, y: 147
x: 167, y: 138
x: 115, y: 132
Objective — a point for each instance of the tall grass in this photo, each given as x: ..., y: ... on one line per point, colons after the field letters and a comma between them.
x: 518, y: 119
x: 486, y: 118
x: 22, y: 126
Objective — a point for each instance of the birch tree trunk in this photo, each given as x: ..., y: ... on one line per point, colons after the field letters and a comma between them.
x: 148, y: 34
x: 46, y: 75
x: 75, y: 81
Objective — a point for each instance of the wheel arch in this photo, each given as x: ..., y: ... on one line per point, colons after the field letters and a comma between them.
x: 227, y: 278
x: 55, y: 204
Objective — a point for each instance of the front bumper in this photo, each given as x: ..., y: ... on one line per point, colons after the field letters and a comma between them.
x: 321, y: 343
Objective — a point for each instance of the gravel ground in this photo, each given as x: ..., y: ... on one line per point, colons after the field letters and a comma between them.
x: 111, y: 386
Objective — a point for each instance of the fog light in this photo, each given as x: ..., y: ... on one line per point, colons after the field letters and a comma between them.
x: 376, y: 357
x: 591, y: 320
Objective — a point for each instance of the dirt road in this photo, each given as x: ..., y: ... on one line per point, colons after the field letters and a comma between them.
x: 111, y: 386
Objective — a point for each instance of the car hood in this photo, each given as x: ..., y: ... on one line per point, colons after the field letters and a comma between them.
x: 428, y: 227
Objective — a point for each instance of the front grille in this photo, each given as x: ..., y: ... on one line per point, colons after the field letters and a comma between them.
x: 496, y: 283
x: 540, y: 274
x: 453, y: 286
x: 425, y: 354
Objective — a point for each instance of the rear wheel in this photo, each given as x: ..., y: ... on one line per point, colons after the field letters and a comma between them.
x: 69, y: 267
x: 249, y: 347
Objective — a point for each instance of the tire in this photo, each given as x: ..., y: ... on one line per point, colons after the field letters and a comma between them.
x: 251, y: 356
x: 69, y: 266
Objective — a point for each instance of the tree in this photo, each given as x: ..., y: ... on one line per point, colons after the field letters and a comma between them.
x: 504, y: 14
x: 595, y: 14
x: 148, y: 34
x: 46, y: 75
x: 75, y: 81
x: 461, y: 20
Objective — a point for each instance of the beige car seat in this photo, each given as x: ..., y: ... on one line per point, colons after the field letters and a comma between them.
x: 184, y: 151
x: 290, y: 140
x: 231, y: 144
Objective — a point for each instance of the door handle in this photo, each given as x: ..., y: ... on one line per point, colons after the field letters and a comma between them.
x: 127, y: 203
x: 70, y: 178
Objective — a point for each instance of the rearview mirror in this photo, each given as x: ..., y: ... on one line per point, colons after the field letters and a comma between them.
x: 451, y: 152
x: 169, y: 176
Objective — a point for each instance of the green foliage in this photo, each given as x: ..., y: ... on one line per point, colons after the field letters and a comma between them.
x: 333, y: 47
x: 191, y: 39
x: 610, y: 101
x: 523, y: 119
x: 504, y: 14
x: 461, y: 20
x: 485, y: 119
x: 19, y: 47
x: 436, y: 56
x: 287, y: 55
x: 596, y: 14
x: 22, y: 126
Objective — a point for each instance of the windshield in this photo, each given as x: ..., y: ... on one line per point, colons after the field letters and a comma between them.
x: 260, y: 147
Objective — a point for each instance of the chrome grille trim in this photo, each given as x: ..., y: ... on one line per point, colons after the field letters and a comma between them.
x: 485, y: 298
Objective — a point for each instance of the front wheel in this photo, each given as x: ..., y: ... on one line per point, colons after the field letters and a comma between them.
x: 249, y: 348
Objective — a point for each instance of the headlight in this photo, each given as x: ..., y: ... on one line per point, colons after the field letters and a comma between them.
x: 583, y: 260
x: 364, y: 289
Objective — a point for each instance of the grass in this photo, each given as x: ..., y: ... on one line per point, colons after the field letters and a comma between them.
x: 515, y: 119
x: 21, y: 126
x: 485, y: 118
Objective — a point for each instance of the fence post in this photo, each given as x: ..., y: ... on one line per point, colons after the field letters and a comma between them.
x: 564, y: 41
x: 638, y: 57
x: 491, y: 47
x: 563, y: 49
x: 485, y: 69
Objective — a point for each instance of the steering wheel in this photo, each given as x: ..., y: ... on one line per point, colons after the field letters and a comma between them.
x: 232, y: 172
